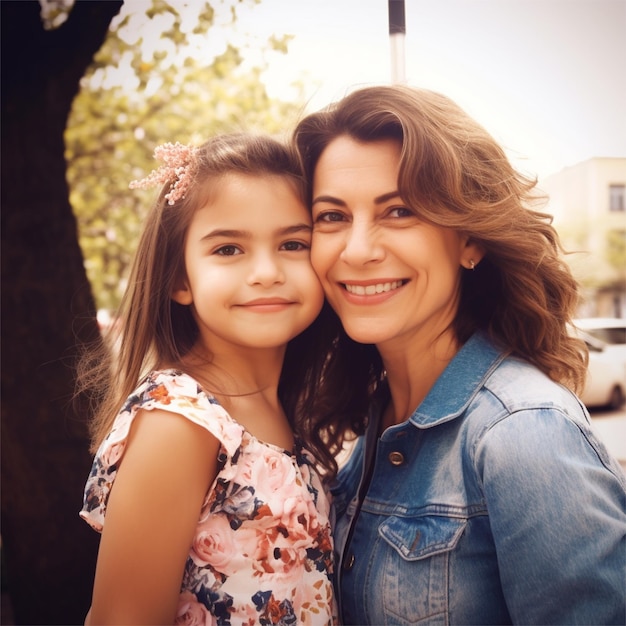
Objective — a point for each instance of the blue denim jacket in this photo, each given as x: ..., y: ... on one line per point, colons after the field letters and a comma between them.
x: 495, y: 503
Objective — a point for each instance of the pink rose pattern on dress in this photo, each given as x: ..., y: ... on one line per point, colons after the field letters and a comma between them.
x: 262, y: 552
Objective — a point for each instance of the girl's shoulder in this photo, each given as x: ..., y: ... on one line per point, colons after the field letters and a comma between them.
x: 167, y: 390
x: 177, y: 392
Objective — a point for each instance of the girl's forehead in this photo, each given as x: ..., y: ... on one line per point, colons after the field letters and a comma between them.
x: 251, y: 202
x: 227, y: 182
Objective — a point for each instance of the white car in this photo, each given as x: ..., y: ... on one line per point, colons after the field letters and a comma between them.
x: 611, y: 330
x: 606, y: 375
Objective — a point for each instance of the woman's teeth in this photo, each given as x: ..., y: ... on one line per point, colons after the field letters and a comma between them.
x: 370, y: 290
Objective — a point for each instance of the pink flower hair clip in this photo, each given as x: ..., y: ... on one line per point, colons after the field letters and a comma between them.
x: 179, y: 168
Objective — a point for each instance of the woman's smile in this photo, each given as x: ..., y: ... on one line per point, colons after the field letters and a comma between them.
x: 359, y: 289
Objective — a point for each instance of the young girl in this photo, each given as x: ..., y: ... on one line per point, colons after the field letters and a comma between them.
x: 210, y: 509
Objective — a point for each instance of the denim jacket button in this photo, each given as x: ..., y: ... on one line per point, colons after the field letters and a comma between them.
x: 396, y: 458
x: 349, y: 562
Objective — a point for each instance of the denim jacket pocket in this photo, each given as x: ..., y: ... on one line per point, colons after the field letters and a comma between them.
x: 415, y: 567
x: 419, y: 537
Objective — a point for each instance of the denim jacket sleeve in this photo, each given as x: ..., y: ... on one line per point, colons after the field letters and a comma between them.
x: 557, y: 516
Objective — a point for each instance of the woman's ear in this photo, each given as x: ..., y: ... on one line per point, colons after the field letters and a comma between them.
x: 471, y: 254
x: 182, y: 293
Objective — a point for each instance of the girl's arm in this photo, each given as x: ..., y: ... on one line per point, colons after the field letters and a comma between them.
x: 152, y: 512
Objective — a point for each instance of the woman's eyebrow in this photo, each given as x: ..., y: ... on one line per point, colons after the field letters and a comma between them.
x: 387, y: 196
x: 378, y: 200
x: 329, y: 199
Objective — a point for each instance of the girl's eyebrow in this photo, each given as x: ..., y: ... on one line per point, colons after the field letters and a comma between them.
x: 378, y: 200
x: 247, y: 234
x: 295, y: 228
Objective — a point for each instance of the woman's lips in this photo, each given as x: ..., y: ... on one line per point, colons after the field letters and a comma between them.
x: 374, y: 288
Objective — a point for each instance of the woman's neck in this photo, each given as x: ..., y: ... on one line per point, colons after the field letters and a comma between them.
x: 412, y: 370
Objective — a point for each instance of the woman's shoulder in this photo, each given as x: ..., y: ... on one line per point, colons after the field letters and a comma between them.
x: 519, y: 385
x: 521, y: 412
x: 516, y: 394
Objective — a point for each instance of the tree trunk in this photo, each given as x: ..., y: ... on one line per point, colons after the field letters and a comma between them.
x: 47, y: 314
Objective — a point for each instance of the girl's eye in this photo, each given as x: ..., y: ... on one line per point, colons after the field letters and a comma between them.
x: 329, y: 216
x: 229, y: 250
x: 294, y: 246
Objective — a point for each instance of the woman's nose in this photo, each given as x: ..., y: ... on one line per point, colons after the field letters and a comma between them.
x: 362, y: 245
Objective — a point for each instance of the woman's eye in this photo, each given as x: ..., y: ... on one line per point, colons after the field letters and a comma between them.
x: 295, y: 246
x: 330, y: 216
x: 400, y: 211
x: 228, y: 251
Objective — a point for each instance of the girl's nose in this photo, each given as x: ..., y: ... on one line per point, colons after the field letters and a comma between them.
x: 266, y: 270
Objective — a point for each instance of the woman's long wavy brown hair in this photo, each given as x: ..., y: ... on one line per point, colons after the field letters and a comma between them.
x: 153, y: 331
x: 455, y: 175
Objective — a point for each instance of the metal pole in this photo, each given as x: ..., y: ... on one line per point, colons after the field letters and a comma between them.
x: 397, y: 31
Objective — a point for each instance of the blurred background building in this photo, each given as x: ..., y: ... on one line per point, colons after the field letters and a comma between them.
x: 588, y: 201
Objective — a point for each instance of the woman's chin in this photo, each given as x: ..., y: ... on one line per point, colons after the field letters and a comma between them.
x: 368, y: 331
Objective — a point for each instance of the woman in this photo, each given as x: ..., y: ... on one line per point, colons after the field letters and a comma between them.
x: 480, y: 493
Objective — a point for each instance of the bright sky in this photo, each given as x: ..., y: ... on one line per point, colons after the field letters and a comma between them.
x: 547, y: 78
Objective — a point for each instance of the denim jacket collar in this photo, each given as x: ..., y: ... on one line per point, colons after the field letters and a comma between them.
x: 464, y: 374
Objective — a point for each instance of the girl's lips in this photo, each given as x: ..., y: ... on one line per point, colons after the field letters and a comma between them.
x: 261, y: 301
x: 267, y: 305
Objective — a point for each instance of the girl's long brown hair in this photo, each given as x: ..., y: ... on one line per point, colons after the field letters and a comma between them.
x: 153, y: 330
x: 455, y: 175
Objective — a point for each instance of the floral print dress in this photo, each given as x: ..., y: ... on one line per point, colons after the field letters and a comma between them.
x: 262, y: 550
